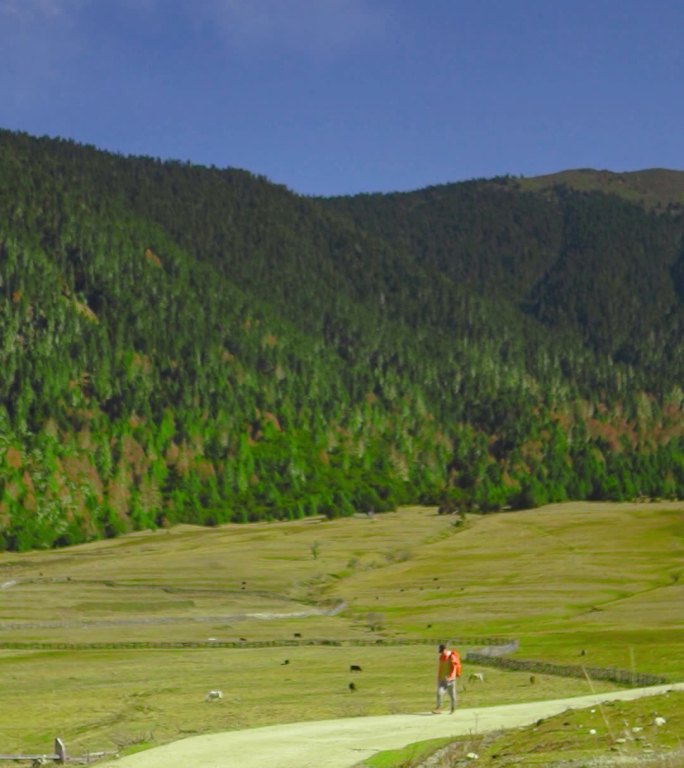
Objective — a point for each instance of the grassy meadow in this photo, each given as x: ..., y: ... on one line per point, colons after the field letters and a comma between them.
x: 618, y: 733
x: 593, y: 584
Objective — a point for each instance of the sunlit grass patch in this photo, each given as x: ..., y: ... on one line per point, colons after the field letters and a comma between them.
x: 645, y: 732
x: 617, y: 733
x: 410, y: 756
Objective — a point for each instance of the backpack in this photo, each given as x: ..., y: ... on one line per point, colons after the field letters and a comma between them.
x: 457, y: 662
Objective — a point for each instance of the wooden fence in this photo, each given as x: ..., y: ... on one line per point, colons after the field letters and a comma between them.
x: 620, y: 676
x: 58, y: 756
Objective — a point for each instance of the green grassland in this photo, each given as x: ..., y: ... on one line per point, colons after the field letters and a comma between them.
x: 274, y: 614
x: 618, y: 733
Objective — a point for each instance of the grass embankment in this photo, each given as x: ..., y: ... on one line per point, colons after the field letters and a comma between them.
x: 646, y: 733
x: 599, y: 585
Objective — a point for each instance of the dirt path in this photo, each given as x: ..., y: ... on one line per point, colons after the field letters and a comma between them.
x: 345, y: 743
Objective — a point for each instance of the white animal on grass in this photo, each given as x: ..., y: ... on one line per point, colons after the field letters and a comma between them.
x: 213, y: 696
x: 476, y: 677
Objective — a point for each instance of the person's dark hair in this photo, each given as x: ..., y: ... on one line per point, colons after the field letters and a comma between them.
x: 441, y: 647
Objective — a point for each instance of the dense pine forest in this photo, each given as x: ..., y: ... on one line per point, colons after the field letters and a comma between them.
x: 190, y: 344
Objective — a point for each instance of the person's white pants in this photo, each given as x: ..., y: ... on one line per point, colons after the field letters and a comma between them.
x: 450, y: 687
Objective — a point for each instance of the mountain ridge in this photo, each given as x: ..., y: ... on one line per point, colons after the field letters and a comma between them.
x: 188, y: 344
x: 652, y: 187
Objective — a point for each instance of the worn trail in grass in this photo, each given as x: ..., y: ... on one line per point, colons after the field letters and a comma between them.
x: 344, y: 743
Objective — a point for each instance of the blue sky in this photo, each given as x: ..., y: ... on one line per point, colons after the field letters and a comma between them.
x: 346, y: 96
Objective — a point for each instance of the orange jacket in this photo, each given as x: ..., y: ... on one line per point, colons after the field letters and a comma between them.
x: 449, y: 665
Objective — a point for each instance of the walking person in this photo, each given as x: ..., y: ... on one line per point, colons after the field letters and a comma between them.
x: 448, y: 671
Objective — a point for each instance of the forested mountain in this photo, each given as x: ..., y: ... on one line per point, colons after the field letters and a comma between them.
x: 180, y: 343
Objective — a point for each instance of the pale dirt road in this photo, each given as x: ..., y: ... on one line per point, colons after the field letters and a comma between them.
x: 345, y: 743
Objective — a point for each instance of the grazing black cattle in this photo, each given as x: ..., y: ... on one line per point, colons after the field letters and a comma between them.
x: 355, y: 668
x: 352, y: 687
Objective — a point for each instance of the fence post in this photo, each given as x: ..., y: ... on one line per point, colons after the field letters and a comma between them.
x: 60, y: 751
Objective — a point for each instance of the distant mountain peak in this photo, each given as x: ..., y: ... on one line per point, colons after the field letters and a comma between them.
x: 651, y: 187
